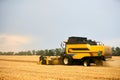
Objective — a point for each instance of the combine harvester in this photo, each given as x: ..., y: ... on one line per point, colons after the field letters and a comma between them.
x: 80, y: 50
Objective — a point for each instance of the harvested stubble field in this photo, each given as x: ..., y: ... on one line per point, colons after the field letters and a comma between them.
x: 26, y: 68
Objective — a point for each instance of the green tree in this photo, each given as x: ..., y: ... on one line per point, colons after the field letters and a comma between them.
x: 46, y: 52
x: 24, y: 53
x: 33, y: 52
x: 40, y: 52
x: 51, y: 52
x: 8, y: 53
x: 116, y: 51
x: 113, y: 51
x: 58, y: 51
x: 28, y: 53
x: 1, y: 53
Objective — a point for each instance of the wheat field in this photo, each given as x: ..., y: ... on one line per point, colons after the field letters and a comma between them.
x: 26, y: 68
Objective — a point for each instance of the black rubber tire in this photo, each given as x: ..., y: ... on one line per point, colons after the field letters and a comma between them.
x: 67, y: 60
x: 86, y: 63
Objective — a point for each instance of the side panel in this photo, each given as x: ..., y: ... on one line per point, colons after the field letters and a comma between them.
x: 80, y: 51
x: 77, y: 48
x: 81, y: 55
x: 97, y: 48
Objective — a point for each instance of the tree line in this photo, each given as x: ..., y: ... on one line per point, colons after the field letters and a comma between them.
x: 116, y: 51
x: 52, y: 52
x: 46, y: 52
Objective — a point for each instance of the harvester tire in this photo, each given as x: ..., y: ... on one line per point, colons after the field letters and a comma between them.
x: 86, y: 63
x: 67, y: 60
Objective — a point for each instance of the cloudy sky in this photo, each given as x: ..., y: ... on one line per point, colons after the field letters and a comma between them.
x: 44, y: 24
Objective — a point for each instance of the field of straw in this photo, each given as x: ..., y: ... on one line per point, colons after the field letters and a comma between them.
x: 26, y: 68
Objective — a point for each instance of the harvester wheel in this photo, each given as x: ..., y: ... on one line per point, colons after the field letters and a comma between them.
x: 67, y: 60
x: 86, y: 63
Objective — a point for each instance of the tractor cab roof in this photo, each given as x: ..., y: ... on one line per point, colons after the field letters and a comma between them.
x: 79, y: 40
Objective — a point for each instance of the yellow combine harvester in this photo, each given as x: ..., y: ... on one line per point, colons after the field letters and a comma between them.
x: 79, y: 50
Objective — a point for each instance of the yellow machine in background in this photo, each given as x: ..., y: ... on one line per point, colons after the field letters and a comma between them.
x: 80, y: 50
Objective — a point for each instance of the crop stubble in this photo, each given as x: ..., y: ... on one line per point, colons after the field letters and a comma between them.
x: 26, y: 68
